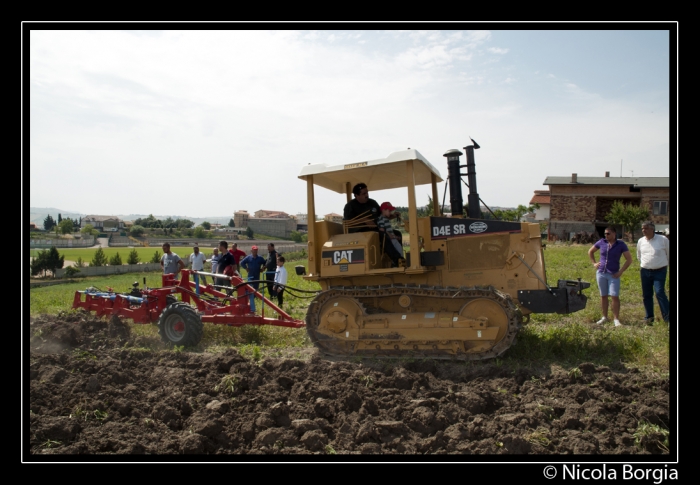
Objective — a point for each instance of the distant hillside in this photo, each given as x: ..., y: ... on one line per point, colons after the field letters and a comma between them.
x: 38, y: 214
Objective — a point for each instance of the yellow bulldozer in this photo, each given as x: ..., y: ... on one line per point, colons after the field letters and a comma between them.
x: 463, y: 290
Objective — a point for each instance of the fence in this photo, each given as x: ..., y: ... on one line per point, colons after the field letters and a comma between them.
x: 206, y: 245
x: 107, y: 270
x: 85, y: 242
x: 122, y: 241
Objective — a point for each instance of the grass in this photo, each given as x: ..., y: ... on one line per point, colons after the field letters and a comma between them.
x: 651, y: 434
x: 228, y: 384
x: 564, y: 340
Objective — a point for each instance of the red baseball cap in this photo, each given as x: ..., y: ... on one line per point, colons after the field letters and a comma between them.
x: 387, y: 205
x: 254, y: 247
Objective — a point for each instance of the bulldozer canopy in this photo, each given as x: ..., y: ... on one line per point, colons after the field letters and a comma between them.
x: 384, y: 173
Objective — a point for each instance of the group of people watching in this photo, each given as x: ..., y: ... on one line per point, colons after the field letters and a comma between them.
x: 227, y: 261
x: 653, y: 254
x: 364, y: 214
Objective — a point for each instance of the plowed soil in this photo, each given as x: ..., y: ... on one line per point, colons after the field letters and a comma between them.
x: 92, y: 392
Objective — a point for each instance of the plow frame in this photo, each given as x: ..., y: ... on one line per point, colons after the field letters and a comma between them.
x: 214, y: 303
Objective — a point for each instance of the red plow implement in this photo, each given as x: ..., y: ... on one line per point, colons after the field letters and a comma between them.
x: 181, y: 321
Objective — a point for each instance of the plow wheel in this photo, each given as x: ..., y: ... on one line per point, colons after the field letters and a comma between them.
x: 180, y: 324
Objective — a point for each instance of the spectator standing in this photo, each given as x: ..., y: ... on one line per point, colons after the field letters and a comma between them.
x: 237, y: 253
x: 225, y: 260
x: 609, y: 272
x: 270, y: 267
x: 197, y: 260
x: 214, y: 260
x: 170, y: 262
x: 280, y: 280
x: 653, y: 253
x: 253, y: 264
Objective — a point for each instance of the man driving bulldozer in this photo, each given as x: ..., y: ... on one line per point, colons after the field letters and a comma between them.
x: 362, y: 214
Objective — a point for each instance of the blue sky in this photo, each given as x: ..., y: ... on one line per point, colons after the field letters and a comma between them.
x: 204, y: 123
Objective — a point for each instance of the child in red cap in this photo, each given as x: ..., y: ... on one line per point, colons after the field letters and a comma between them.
x: 384, y: 225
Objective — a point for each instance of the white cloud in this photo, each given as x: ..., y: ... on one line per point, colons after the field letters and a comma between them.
x: 497, y: 50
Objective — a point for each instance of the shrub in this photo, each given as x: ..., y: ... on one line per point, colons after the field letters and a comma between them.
x: 133, y: 257
x: 99, y: 259
x: 72, y: 271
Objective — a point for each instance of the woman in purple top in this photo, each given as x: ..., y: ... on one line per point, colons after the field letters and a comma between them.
x: 609, y: 271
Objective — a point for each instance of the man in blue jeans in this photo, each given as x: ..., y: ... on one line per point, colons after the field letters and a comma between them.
x: 253, y: 264
x: 653, y: 253
x: 609, y: 271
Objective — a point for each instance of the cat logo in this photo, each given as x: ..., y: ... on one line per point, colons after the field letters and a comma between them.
x: 342, y: 257
x: 345, y: 256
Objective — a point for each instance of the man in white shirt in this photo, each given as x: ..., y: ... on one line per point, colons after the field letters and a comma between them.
x: 653, y: 253
x: 197, y: 263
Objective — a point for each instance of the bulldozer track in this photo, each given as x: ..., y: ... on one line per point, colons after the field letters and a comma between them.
x: 395, y: 340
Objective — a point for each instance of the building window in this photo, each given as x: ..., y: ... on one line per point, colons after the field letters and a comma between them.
x: 660, y: 207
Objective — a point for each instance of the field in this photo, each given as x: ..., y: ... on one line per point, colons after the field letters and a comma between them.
x: 567, y: 386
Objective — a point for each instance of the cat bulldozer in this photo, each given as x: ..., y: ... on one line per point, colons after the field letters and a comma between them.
x: 463, y: 290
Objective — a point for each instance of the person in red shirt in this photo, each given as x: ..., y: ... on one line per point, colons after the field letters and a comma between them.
x: 236, y: 253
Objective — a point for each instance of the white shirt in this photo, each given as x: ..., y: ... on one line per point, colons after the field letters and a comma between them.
x: 281, y: 275
x: 197, y: 261
x: 653, y: 253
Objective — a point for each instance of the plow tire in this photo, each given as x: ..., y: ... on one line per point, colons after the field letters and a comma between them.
x: 179, y: 324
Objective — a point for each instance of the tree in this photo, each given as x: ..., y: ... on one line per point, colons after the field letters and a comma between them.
x: 49, y: 223
x: 89, y: 230
x: 79, y: 263
x: 133, y: 257
x: 249, y: 232
x: 54, y: 260
x: 156, y: 257
x: 629, y: 216
x: 514, y: 214
x: 66, y: 226
x: 39, y: 263
x: 231, y: 223
x: 296, y: 236
x: 198, y: 232
x: 184, y: 224
x: 115, y: 260
x: 137, y: 230
x: 60, y: 219
x: 99, y: 258
x: 206, y: 225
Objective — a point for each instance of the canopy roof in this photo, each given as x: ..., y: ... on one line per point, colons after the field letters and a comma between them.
x: 380, y: 174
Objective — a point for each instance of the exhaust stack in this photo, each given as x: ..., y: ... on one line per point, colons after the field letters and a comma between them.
x: 473, y: 199
x: 455, y: 179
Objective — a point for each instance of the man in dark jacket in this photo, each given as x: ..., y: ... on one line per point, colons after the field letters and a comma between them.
x: 271, y: 267
x: 361, y: 207
x: 225, y: 261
